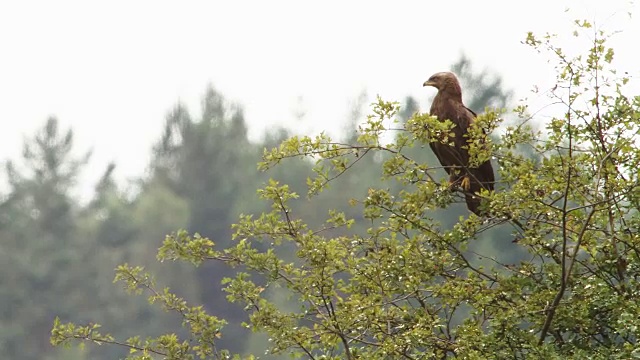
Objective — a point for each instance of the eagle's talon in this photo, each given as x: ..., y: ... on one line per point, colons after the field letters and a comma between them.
x: 465, y: 183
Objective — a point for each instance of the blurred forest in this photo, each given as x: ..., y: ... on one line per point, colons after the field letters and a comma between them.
x: 57, y: 254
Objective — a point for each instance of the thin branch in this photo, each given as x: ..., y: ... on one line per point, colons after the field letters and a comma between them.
x: 118, y: 343
x: 565, y: 237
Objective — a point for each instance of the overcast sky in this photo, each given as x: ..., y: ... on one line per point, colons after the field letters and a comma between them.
x: 111, y: 70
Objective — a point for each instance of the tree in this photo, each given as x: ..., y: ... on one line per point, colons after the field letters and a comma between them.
x: 407, y: 288
x: 206, y: 162
x: 55, y: 253
x: 37, y: 241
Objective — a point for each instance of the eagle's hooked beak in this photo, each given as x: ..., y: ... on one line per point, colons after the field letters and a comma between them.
x: 429, y: 83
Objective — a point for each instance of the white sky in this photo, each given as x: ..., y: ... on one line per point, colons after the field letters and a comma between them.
x: 112, y: 70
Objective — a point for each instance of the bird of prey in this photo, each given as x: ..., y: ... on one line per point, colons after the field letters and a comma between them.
x: 447, y: 105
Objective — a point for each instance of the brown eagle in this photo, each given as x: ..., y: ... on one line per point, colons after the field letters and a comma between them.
x: 447, y: 105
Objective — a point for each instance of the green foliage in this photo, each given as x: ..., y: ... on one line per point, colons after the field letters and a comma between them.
x: 409, y: 286
x: 203, y: 327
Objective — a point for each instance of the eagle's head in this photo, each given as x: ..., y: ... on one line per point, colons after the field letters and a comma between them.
x: 445, y: 82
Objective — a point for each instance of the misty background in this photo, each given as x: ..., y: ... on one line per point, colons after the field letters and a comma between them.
x: 126, y: 121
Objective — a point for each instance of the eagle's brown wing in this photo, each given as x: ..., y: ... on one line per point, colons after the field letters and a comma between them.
x: 455, y: 159
x: 451, y: 157
x: 471, y: 111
